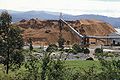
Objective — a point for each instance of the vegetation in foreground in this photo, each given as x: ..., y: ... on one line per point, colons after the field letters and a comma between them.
x: 50, y: 69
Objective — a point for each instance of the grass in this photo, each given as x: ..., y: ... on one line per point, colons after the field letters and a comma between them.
x: 82, y: 64
x: 73, y: 64
x: 77, y: 63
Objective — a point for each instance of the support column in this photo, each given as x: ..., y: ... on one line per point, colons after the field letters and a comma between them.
x: 96, y: 41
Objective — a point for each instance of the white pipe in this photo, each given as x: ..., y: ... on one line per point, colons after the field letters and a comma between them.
x: 81, y: 36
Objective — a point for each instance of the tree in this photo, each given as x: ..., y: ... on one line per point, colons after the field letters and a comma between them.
x: 7, y: 19
x: 56, y: 70
x: 16, y: 59
x: 33, y: 66
x: 30, y: 46
x: 61, y: 42
x: 10, y: 38
x: 45, y: 61
x: 52, y: 69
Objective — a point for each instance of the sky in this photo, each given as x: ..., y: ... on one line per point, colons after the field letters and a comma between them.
x: 75, y: 7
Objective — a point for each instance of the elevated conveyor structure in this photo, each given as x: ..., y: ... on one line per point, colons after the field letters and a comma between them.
x: 86, y: 38
x: 94, y: 37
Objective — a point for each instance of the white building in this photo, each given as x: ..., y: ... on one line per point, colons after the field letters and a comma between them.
x: 115, y: 41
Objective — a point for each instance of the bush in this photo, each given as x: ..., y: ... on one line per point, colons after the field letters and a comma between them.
x: 98, y: 50
x: 70, y: 51
x: 86, y: 51
x: 110, y: 70
x: 56, y: 70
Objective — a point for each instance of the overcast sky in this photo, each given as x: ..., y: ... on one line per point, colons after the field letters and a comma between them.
x: 75, y: 7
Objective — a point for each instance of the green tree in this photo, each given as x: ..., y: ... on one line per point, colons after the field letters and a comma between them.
x: 16, y: 59
x: 32, y: 66
x: 6, y: 18
x: 56, y: 70
x: 99, y: 53
x: 52, y: 69
x: 44, y: 66
x: 10, y: 38
x: 30, y: 46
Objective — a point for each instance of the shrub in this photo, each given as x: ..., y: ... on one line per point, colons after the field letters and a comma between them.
x: 86, y: 51
x: 98, y: 50
x: 56, y: 70
x: 110, y: 70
